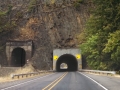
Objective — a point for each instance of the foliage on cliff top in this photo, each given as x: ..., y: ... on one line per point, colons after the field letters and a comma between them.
x: 6, y: 25
x: 102, y: 45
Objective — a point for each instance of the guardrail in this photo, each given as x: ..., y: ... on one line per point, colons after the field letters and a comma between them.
x: 99, y: 72
x: 27, y: 74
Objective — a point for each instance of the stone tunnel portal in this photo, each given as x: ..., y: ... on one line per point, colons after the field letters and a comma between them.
x: 18, y: 57
x: 70, y: 60
x: 18, y: 53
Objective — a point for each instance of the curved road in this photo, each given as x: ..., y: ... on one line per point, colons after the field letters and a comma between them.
x: 59, y: 81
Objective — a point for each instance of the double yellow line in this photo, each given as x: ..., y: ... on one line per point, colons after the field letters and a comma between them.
x: 55, y: 82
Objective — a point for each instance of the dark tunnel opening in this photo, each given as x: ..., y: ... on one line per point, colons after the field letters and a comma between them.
x: 18, y: 57
x: 69, y: 60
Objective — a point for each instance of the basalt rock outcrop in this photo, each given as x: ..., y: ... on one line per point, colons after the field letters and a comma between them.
x: 49, y: 24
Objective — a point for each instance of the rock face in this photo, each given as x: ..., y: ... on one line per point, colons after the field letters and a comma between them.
x: 49, y: 23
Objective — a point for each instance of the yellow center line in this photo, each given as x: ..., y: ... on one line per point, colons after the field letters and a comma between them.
x: 53, y: 82
x: 57, y: 82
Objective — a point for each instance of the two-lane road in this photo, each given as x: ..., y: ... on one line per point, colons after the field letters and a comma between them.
x: 76, y: 81
x: 56, y: 81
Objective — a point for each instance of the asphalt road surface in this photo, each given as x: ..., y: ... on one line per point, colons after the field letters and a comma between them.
x: 63, y: 81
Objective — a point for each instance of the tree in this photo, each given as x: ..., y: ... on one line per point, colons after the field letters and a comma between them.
x: 102, y: 29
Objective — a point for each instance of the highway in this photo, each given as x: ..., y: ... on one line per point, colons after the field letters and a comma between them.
x: 64, y: 81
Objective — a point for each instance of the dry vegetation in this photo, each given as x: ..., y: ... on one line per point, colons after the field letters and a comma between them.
x: 28, y: 32
x: 6, y: 72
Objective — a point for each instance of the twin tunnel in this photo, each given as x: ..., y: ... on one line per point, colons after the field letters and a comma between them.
x: 65, y: 62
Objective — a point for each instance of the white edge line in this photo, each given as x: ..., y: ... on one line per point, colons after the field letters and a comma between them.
x: 94, y: 81
x: 24, y: 82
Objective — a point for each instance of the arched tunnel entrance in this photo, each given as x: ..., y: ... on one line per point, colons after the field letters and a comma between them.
x: 69, y: 60
x: 18, y: 57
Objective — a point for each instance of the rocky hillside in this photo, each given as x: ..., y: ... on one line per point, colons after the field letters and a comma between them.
x: 49, y: 24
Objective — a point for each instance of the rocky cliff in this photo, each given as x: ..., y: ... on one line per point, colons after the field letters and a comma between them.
x: 50, y: 24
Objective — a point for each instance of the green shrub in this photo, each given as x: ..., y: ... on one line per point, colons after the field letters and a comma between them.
x: 2, y: 14
x: 19, y: 15
x: 80, y: 1
x: 31, y: 5
x: 77, y: 3
x: 9, y: 9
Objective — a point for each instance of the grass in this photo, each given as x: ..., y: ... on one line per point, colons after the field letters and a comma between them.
x: 6, y: 72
